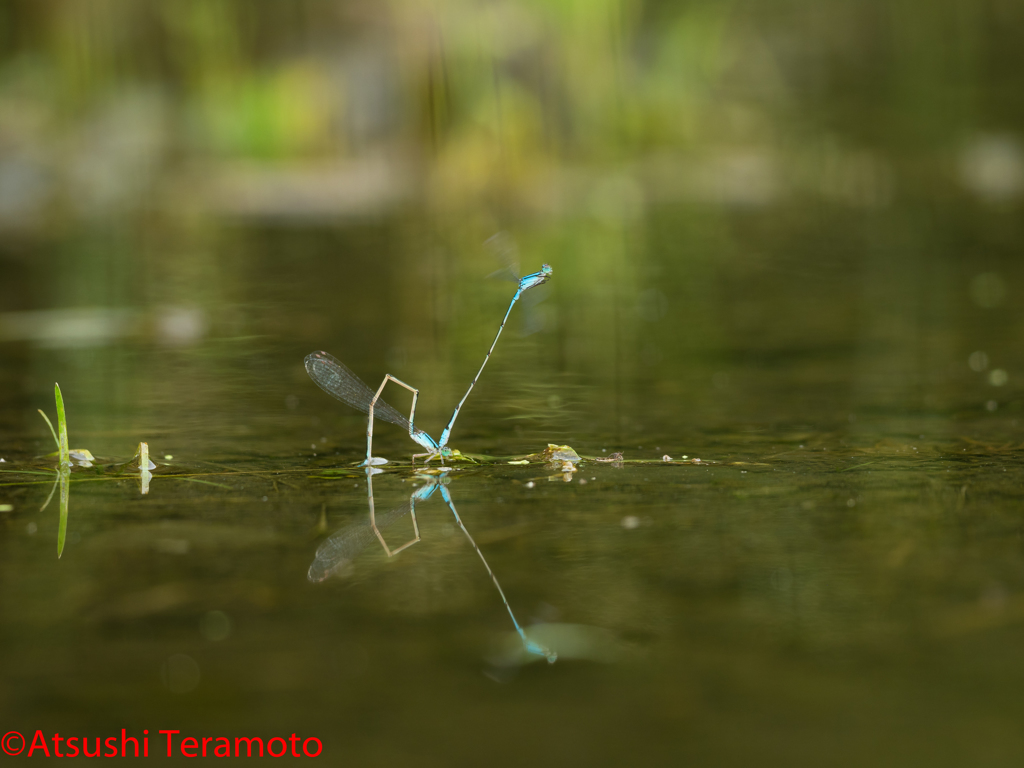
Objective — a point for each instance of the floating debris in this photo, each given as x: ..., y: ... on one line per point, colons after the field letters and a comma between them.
x: 432, y: 472
x: 562, y: 453
x: 82, y: 457
x: 666, y: 457
x: 561, y: 458
x: 520, y: 462
x: 555, y: 454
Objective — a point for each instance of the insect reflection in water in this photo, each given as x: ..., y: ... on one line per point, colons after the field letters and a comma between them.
x: 344, y: 545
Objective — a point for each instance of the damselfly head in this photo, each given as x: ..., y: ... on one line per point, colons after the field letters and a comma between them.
x: 544, y: 275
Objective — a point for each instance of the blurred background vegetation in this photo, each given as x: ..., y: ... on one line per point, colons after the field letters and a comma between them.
x: 773, y: 211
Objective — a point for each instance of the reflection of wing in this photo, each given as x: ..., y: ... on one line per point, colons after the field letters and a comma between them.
x: 344, y: 545
x: 504, y: 249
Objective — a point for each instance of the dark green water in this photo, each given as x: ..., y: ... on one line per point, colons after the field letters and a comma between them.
x: 844, y: 578
x: 785, y: 241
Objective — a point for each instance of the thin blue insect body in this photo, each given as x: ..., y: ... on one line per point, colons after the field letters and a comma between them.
x: 331, y: 375
x: 526, y: 283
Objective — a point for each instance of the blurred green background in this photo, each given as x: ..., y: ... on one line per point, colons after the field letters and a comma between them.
x: 728, y: 192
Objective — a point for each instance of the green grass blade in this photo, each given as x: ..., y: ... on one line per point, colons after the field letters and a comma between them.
x: 62, y: 425
x: 50, y: 425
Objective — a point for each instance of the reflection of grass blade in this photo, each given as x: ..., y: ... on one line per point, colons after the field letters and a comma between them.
x: 203, y: 482
x: 50, y: 425
x: 50, y: 497
x: 65, y: 476
x: 858, y: 466
x: 62, y: 425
